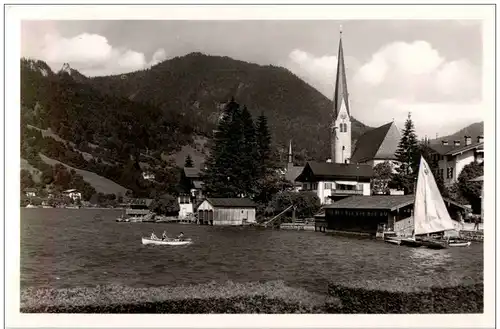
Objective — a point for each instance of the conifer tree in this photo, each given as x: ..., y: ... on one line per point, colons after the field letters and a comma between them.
x: 220, y: 176
x: 263, y: 138
x: 189, y: 162
x: 407, y: 155
x: 248, y: 153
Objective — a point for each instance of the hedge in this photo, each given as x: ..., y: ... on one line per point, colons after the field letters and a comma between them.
x: 420, y: 295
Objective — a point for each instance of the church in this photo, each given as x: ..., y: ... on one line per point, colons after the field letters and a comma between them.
x: 349, y: 168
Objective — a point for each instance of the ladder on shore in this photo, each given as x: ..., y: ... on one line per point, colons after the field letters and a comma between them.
x: 277, y: 216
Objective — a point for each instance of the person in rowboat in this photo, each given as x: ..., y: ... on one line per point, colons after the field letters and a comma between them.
x: 164, y: 235
x: 180, y: 236
x: 153, y: 236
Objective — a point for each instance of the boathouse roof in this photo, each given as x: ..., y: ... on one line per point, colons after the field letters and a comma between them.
x: 379, y: 143
x: 231, y: 202
x: 382, y: 202
x: 326, y: 171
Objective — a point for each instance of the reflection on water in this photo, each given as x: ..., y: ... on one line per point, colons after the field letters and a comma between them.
x: 71, y: 247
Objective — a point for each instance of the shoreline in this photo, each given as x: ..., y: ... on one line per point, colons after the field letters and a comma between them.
x: 273, y: 297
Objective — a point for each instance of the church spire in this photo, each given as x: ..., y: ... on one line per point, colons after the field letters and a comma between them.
x: 340, y: 138
x: 341, y: 94
x: 290, y: 154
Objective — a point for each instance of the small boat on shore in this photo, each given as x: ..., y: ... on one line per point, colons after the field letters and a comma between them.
x: 166, y: 242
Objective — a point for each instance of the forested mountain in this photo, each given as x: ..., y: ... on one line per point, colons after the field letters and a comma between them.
x: 196, y: 86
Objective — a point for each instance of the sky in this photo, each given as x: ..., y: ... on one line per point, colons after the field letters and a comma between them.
x: 432, y: 69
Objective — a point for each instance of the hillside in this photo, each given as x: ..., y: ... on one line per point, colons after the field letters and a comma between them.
x: 101, y: 184
x: 196, y: 86
x: 80, y: 114
x: 472, y: 130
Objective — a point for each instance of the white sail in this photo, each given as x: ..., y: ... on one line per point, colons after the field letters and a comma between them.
x: 430, y: 213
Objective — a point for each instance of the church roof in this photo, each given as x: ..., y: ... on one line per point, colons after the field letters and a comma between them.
x: 293, y: 172
x: 340, y: 84
x: 379, y: 143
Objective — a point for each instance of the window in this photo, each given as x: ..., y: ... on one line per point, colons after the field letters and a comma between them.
x: 441, y: 173
x: 328, y: 186
x: 449, y: 173
x: 315, y: 186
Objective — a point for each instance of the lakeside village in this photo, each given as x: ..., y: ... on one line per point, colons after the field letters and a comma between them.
x: 369, y: 189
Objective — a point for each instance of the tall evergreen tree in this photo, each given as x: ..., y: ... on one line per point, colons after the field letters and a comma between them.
x: 189, y: 162
x: 248, y: 153
x: 263, y: 138
x: 407, y: 155
x: 221, y: 175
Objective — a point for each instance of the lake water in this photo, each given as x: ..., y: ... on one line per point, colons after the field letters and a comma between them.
x: 73, y: 247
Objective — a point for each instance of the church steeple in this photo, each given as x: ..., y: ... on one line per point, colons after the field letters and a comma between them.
x: 290, y: 154
x: 341, y: 94
x: 341, y: 114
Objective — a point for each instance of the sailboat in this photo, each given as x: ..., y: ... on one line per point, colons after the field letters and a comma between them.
x: 430, y: 216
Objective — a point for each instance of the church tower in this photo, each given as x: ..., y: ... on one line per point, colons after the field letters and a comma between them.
x: 290, y: 157
x: 341, y: 116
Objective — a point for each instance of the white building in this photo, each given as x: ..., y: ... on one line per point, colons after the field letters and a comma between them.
x: 452, y: 158
x: 147, y: 175
x: 73, y: 194
x: 186, y: 207
x: 30, y: 192
x: 335, y: 181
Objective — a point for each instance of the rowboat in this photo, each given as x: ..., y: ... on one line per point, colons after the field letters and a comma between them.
x: 393, y: 241
x: 166, y: 242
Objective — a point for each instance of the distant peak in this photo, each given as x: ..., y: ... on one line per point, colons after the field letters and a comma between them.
x: 65, y: 68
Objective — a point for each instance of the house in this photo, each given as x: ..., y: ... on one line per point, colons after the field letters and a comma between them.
x: 192, y: 182
x: 148, y: 175
x: 335, y: 181
x: 73, y: 194
x: 226, y: 211
x: 375, y: 146
x: 292, y: 171
x: 138, y: 207
x: 186, y: 206
x: 366, y: 214
x: 452, y: 158
x: 30, y: 192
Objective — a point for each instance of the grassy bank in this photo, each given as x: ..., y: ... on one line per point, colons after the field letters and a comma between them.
x: 270, y: 297
x: 383, y: 297
x: 418, y: 296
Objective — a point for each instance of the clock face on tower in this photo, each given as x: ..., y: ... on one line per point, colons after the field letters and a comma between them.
x: 343, y: 116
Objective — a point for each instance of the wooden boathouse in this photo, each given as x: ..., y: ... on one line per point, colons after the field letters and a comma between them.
x: 226, y: 211
x: 365, y: 214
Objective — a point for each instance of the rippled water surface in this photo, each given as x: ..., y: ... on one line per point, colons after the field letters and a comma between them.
x: 71, y: 247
